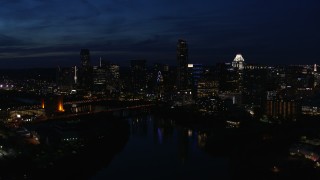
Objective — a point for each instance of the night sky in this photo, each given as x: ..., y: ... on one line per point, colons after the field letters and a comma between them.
x: 48, y: 33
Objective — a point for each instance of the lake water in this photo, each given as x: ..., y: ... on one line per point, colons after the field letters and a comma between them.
x: 159, y: 149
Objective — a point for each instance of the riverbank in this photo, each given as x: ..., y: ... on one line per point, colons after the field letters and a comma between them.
x: 255, y: 149
x: 73, y: 148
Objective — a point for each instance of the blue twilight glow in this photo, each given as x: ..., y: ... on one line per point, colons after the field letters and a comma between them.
x: 52, y: 32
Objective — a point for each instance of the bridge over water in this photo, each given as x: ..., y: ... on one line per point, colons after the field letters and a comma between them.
x: 54, y: 108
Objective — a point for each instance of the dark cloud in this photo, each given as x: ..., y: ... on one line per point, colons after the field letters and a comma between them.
x: 120, y: 30
x: 9, y: 41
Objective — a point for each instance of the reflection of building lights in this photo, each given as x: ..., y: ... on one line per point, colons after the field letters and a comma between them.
x: 275, y: 169
x: 190, y: 133
x: 160, y: 135
x: 60, y: 106
x: 202, y: 138
x: 42, y: 103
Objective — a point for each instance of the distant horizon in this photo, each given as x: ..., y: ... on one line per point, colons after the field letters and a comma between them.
x: 126, y: 63
x: 73, y: 59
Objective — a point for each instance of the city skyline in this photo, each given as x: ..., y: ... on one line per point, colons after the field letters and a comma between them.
x: 51, y: 33
x: 94, y: 119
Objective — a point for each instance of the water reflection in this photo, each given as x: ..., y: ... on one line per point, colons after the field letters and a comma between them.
x: 163, y: 131
x: 183, y: 144
x: 160, y: 149
x: 139, y: 126
x: 202, y: 139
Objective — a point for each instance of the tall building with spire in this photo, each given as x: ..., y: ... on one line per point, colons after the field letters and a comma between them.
x: 238, y: 64
x: 182, y: 68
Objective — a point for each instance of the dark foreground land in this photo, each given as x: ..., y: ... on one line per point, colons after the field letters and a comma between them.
x: 69, y: 148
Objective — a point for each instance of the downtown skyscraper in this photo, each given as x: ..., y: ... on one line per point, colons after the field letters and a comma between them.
x: 138, y: 76
x: 182, y: 68
x: 85, y: 71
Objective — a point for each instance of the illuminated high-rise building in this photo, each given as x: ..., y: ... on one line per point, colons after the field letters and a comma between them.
x: 66, y: 79
x: 239, y: 65
x: 282, y: 109
x: 113, y: 79
x: 195, y: 72
x: 114, y: 70
x: 163, y: 82
x: 99, y: 79
x: 238, y: 62
x: 182, y: 68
